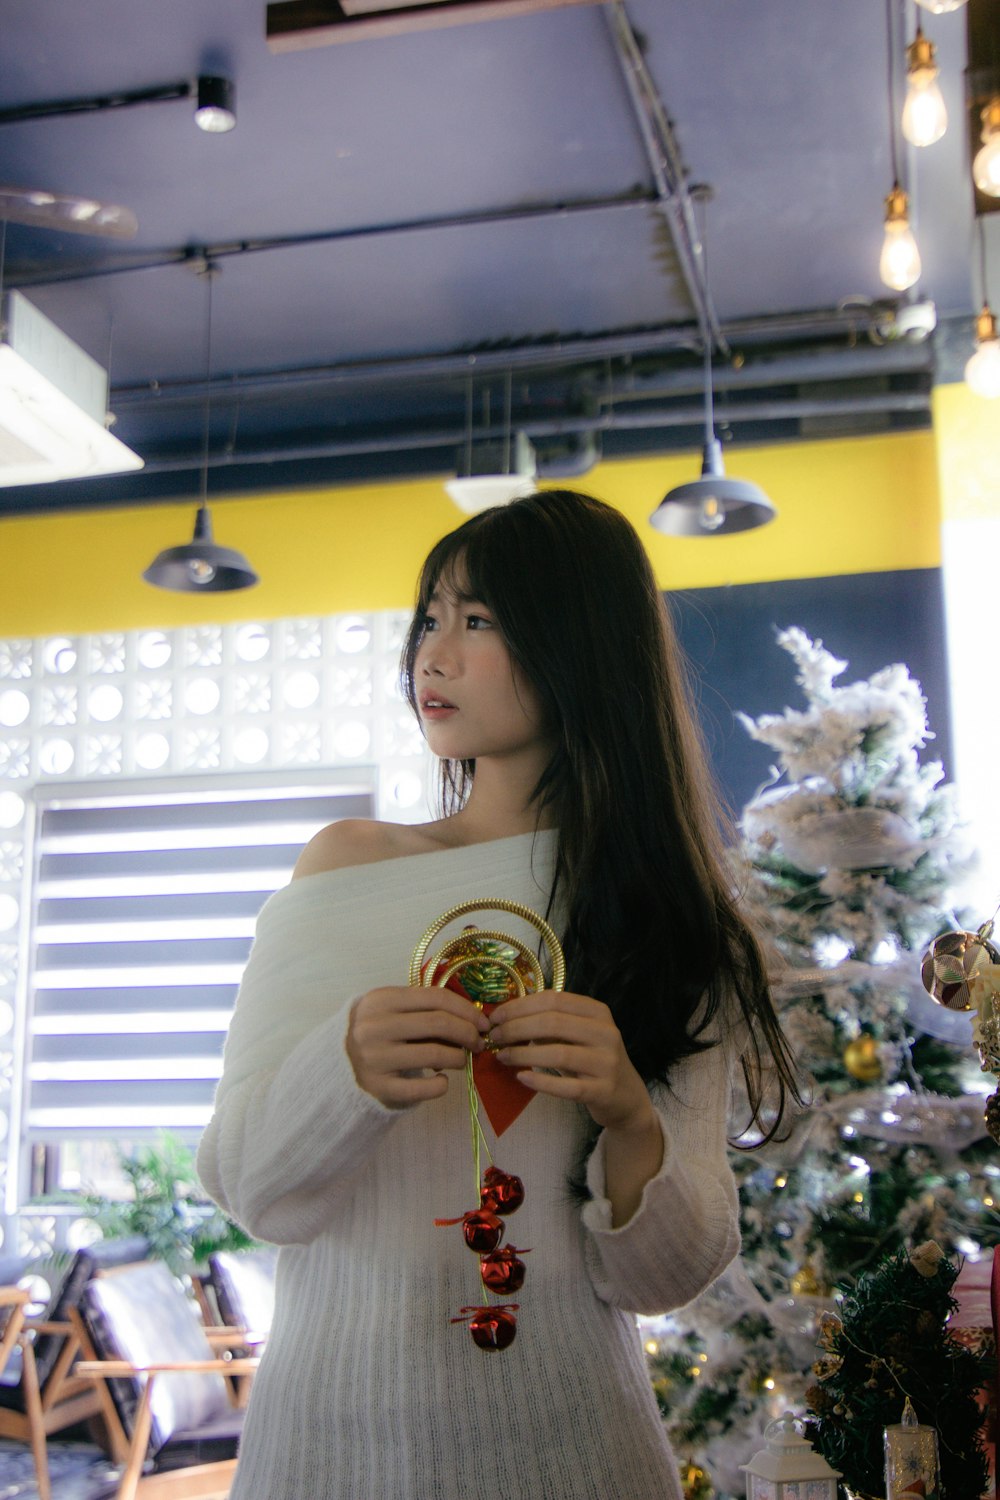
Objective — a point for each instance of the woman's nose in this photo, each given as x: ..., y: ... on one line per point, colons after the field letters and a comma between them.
x: 437, y: 659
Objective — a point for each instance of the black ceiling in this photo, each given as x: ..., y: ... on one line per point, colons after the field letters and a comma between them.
x: 402, y: 220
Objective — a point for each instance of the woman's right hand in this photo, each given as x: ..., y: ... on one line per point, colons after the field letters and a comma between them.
x: 397, y: 1032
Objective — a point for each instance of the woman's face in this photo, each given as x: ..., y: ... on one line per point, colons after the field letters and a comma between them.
x: 474, y: 702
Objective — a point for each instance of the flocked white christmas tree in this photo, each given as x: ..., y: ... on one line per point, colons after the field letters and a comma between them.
x: 848, y: 857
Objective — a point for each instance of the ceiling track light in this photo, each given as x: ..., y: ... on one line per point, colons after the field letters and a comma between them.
x: 215, y: 111
x: 986, y: 164
x: 925, y: 118
x: 201, y: 566
x: 215, y: 103
x: 941, y: 7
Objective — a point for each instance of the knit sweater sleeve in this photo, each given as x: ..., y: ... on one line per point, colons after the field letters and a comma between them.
x: 291, y: 1128
x: 686, y: 1229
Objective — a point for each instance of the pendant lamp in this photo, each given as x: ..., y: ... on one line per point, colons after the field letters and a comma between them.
x: 714, y: 504
x: 201, y: 566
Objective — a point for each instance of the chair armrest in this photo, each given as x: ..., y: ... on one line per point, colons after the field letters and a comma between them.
x: 234, y: 1338
x: 113, y: 1369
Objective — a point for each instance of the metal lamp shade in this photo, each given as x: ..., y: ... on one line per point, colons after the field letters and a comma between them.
x: 714, y: 504
x: 200, y: 566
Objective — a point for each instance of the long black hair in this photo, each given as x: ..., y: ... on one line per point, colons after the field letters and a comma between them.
x: 653, y: 927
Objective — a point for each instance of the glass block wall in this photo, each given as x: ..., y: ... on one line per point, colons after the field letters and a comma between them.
x: 317, y: 693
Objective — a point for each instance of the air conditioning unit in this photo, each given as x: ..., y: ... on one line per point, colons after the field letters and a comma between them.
x: 497, y: 474
x: 53, y: 404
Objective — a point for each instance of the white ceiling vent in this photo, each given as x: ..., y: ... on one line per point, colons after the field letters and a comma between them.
x: 53, y: 404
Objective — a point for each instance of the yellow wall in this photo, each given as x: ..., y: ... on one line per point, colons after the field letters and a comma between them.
x: 845, y: 506
x: 967, y: 429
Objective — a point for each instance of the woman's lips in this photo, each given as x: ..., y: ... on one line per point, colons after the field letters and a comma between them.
x: 437, y: 708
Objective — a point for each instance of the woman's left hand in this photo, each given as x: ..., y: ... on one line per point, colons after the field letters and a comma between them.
x: 577, y: 1039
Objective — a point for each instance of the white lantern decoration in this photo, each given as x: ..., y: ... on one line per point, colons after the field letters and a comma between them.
x: 788, y: 1468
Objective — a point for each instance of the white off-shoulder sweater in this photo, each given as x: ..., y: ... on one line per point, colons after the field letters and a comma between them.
x: 367, y: 1391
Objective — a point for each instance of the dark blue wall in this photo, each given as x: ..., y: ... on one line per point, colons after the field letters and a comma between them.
x: 869, y: 620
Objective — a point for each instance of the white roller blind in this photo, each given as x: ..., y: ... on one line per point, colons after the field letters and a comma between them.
x: 144, y: 903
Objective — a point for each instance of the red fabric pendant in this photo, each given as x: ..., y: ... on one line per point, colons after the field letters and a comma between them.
x: 504, y: 1096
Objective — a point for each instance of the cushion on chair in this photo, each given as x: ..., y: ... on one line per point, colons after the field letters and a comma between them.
x: 12, y: 1268
x: 243, y: 1283
x: 210, y: 1443
x: 66, y: 1294
x: 143, y: 1314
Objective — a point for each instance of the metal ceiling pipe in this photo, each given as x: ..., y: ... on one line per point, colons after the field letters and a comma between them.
x: 666, y: 163
x: 558, y: 356
x: 186, y: 254
x: 795, y: 369
x: 618, y: 419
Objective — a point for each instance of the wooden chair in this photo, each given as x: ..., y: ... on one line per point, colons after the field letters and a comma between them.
x: 242, y: 1283
x: 40, y: 1390
x: 167, y: 1406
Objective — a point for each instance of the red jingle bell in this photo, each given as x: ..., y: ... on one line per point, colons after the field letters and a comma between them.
x: 493, y: 1328
x: 483, y: 1230
x: 501, y: 1192
x: 502, y: 1272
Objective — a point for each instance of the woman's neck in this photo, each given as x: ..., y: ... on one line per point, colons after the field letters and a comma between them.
x: 499, y: 806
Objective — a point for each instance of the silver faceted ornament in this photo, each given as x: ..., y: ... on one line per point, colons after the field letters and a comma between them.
x: 951, y: 959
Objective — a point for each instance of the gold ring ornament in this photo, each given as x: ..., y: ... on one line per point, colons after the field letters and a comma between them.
x: 477, y: 948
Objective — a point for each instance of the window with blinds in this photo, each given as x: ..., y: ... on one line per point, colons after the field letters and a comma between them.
x: 145, y: 899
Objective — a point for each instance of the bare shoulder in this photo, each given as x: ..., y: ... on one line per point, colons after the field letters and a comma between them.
x: 360, y: 841
x: 351, y: 841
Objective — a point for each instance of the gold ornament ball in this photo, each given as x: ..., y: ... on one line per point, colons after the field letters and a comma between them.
x: 695, y: 1482
x: 862, y: 1060
x: 948, y: 962
x: 805, y: 1282
x: 991, y: 1115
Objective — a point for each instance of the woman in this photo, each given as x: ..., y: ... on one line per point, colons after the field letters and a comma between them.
x: 545, y: 676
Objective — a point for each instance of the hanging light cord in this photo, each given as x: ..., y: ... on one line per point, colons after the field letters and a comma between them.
x: 891, y: 91
x: 209, y: 273
x: 706, y: 333
x: 507, y: 398
x: 981, y: 224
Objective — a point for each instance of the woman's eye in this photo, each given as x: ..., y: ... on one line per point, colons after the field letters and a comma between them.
x: 478, y: 622
x: 427, y: 624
